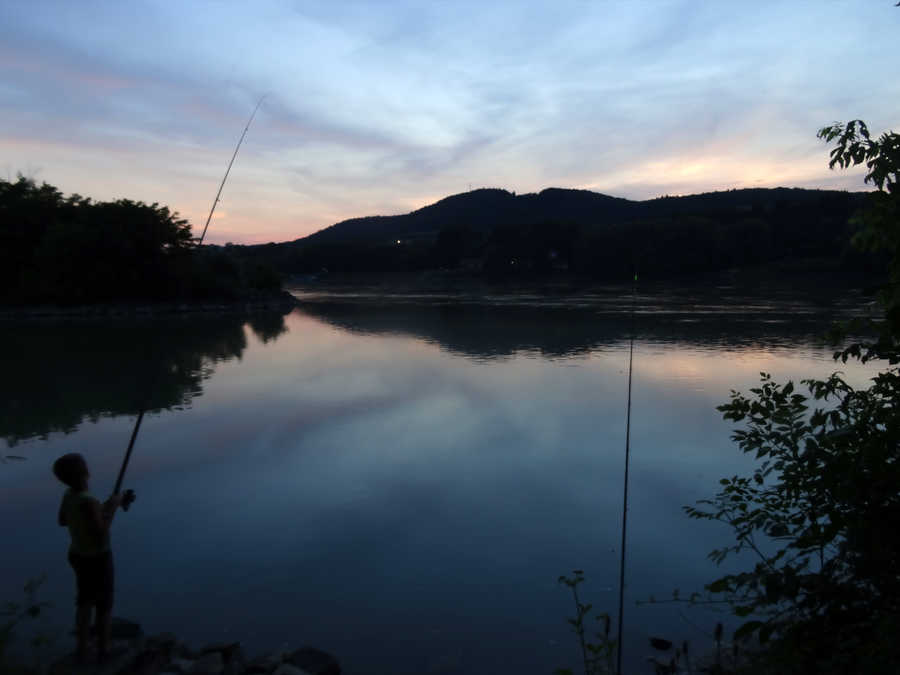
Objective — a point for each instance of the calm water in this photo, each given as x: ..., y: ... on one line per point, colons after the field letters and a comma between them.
x: 399, y: 481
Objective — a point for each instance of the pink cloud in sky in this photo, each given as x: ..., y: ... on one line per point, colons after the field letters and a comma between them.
x: 379, y: 113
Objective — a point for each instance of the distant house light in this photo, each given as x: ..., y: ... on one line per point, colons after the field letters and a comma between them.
x: 398, y: 241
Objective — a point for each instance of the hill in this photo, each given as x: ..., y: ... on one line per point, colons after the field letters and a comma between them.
x: 496, y: 233
x: 481, y: 210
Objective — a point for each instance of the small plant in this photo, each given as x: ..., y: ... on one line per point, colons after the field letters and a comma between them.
x: 14, y: 614
x: 598, y: 656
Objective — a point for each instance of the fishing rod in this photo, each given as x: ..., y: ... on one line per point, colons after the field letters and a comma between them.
x: 625, y: 491
x: 128, y: 496
x: 228, y: 170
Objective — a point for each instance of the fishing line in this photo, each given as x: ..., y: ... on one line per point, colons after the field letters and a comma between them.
x: 625, y: 491
x: 228, y: 170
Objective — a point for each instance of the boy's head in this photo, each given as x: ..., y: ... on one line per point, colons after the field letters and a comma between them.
x: 72, y: 470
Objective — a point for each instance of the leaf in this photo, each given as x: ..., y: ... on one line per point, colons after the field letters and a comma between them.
x: 660, y: 644
x: 747, y: 629
x: 718, y: 586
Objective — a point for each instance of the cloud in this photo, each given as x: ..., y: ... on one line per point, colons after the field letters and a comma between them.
x: 386, y: 107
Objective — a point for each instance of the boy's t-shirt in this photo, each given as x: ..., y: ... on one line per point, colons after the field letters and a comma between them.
x: 85, y: 540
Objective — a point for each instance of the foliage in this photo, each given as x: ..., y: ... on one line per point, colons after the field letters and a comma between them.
x: 819, y: 513
x: 598, y: 657
x: 855, y: 146
x: 820, y: 510
x: 877, y: 224
x: 575, y: 233
x: 73, y: 250
x: 13, y: 615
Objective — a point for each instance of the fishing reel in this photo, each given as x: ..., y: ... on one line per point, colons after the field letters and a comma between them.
x: 128, y: 498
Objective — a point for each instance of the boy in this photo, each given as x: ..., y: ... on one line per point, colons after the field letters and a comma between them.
x: 89, y: 553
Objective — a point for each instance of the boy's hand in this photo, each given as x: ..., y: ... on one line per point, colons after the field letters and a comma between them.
x: 114, y: 501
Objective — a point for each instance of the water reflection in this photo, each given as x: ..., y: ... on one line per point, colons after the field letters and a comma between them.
x: 401, y: 483
x: 489, y: 327
x: 60, y: 374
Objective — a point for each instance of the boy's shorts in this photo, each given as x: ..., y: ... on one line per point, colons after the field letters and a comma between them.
x: 94, y: 579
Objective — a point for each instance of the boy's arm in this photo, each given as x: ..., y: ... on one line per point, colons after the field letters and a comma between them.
x: 109, y: 508
x: 61, y: 518
x: 101, y: 516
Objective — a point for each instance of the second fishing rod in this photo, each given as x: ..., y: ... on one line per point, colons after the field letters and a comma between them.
x: 625, y: 479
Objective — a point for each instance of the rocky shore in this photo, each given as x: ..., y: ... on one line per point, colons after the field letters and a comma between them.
x: 131, y: 653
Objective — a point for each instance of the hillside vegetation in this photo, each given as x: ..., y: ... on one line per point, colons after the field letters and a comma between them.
x: 72, y: 250
x: 498, y: 234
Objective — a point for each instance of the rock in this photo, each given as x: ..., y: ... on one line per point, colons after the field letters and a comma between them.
x: 288, y: 669
x: 208, y: 664
x: 148, y: 662
x: 68, y: 665
x: 218, y: 647
x: 265, y: 664
x: 167, y: 640
x: 182, y: 666
x: 314, y: 661
x: 185, y: 652
x: 236, y: 658
x: 230, y: 651
x: 123, y: 629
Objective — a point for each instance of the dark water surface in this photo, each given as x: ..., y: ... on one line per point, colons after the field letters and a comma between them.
x: 400, y: 480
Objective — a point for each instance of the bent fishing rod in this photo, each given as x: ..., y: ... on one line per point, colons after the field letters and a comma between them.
x: 228, y: 170
x: 128, y: 496
x: 625, y: 490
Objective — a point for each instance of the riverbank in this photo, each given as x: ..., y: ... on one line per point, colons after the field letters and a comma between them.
x: 132, y: 653
x: 263, y: 302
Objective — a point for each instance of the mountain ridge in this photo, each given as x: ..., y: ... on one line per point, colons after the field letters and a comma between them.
x: 495, y: 233
x: 478, y: 207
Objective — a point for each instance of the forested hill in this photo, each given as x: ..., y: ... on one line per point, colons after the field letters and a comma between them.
x: 482, y: 210
x: 495, y: 233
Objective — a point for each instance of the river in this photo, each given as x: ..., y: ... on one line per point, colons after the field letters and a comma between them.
x: 399, y: 480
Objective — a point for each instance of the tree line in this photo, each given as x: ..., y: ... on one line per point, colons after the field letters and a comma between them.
x: 665, y: 238
x: 73, y: 250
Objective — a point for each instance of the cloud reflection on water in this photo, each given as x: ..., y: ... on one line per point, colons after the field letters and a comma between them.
x: 390, y: 485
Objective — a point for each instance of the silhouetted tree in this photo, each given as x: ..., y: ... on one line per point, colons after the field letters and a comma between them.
x: 72, y: 250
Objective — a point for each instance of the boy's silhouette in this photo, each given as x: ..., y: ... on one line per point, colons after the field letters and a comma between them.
x: 89, y: 553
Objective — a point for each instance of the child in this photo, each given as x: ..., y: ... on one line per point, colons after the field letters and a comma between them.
x: 89, y: 553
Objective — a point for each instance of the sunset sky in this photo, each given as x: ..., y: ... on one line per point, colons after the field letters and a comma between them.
x: 384, y: 107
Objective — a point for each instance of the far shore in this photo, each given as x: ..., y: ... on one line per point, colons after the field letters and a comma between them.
x: 280, y: 302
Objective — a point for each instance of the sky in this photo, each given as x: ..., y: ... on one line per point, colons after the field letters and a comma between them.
x: 384, y: 107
